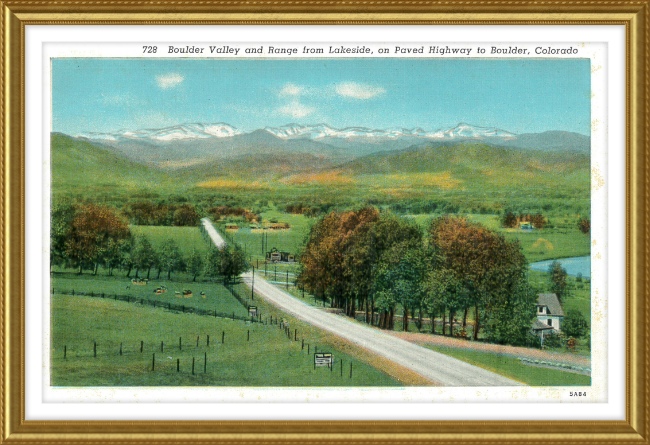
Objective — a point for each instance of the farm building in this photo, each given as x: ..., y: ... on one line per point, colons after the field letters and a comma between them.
x: 275, y: 256
x: 549, y: 313
x: 280, y: 226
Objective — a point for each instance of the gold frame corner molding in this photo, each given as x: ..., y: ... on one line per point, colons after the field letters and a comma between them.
x: 16, y: 15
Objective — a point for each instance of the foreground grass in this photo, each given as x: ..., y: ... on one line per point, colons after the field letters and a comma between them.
x: 251, y: 355
x: 512, y: 368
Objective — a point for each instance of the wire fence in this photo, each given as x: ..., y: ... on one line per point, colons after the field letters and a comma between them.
x: 164, y: 305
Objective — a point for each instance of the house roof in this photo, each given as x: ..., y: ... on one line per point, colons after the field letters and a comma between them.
x: 539, y: 326
x: 551, y: 302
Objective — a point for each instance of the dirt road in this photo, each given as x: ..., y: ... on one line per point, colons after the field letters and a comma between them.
x: 439, y: 368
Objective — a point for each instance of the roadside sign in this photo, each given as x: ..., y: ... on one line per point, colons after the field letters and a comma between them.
x: 252, y: 311
x: 323, y: 359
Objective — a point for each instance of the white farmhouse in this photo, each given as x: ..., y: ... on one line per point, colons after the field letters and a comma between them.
x: 549, y: 314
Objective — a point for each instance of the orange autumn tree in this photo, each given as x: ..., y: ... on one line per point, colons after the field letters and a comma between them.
x: 326, y: 261
x: 490, y: 268
x: 91, y: 234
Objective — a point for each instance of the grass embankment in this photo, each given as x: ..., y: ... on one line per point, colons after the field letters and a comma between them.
x: 513, y: 368
x: 266, y: 358
x: 323, y: 339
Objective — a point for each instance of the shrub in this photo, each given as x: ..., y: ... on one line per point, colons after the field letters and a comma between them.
x: 553, y: 341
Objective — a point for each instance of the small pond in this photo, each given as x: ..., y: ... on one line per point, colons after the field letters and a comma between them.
x: 573, y: 266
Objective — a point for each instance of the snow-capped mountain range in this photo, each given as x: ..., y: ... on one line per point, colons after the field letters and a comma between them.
x: 176, y: 133
x: 187, y: 132
x: 196, y: 142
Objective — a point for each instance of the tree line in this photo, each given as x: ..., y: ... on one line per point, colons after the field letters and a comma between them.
x: 383, y: 264
x: 86, y: 237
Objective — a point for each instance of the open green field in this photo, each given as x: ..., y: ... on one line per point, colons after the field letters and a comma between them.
x: 187, y: 238
x: 512, y: 368
x: 291, y: 240
x: 217, y: 298
x: 252, y: 354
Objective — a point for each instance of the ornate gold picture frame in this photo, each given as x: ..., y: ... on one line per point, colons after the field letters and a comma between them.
x: 634, y: 16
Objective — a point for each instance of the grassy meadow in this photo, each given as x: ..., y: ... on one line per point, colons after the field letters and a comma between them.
x: 186, y: 238
x: 217, y: 297
x: 513, y: 368
x: 252, y: 354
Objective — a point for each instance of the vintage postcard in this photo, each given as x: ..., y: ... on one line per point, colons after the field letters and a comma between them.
x: 326, y: 217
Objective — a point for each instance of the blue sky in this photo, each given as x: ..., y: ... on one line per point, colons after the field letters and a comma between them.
x: 521, y: 95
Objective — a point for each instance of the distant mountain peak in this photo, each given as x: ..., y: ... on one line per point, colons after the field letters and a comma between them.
x: 168, y: 134
x: 465, y: 130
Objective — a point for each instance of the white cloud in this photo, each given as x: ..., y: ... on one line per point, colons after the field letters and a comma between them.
x: 171, y: 80
x: 296, y: 109
x: 291, y: 89
x: 358, y: 90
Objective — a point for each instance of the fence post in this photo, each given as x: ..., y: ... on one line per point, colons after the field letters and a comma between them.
x: 307, y: 348
x: 223, y: 335
x: 180, y: 344
x: 233, y: 316
x: 95, y: 349
x: 153, y: 362
x: 197, y: 341
x: 120, y: 348
x: 205, y: 362
x: 178, y: 365
x: 192, y: 365
x: 141, y: 346
x: 65, y: 351
x: 207, y: 342
x: 303, y: 344
x: 248, y: 335
x: 161, y: 346
x: 295, y: 335
x: 350, y: 369
x: 341, y: 367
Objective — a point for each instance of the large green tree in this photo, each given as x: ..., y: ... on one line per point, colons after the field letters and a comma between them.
x: 399, y: 278
x: 482, y: 261
x: 559, y: 280
x: 171, y: 259
x: 144, y: 256
x: 194, y: 263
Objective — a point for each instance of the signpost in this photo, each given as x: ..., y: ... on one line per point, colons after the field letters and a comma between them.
x: 252, y: 311
x: 323, y: 359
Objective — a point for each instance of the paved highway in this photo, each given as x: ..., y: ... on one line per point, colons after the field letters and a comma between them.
x: 213, y: 234
x: 439, y: 368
